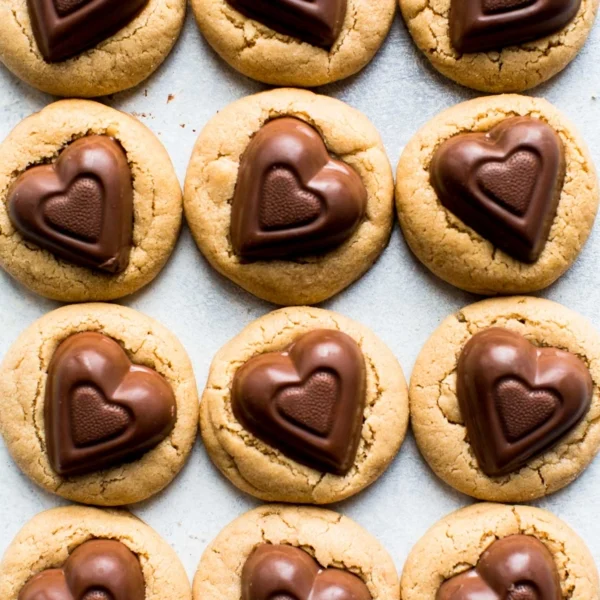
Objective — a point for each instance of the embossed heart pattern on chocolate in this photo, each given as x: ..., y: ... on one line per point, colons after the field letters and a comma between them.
x: 101, y: 410
x: 81, y: 207
x: 505, y: 184
x: 518, y: 400
x: 288, y: 573
x: 96, y: 570
x: 517, y: 567
x: 291, y: 198
x: 306, y: 401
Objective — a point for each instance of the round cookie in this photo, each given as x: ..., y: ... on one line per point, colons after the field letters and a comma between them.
x: 514, y: 68
x: 457, y: 253
x: 439, y: 426
x: 211, y: 183
x: 259, y: 52
x: 455, y: 544
x: 47, y: 541
x: 264, y: 471
x: 23, y: 382
x: 157, y: 201
x: 118, y: 62
x: 330, y: 538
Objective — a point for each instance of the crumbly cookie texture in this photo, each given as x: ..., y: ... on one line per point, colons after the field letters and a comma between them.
x: 435, y: 414
x: 118, y: 63
x: 212, y: 175
x: 512, y: 69
x: 157, y: 201
x: 454, y: 545
x: 265, y: 472
x: 332, y: 539
x: 261, y: 53
x: 23, y: 377
x: 454, y: 251
x: 51, y: 536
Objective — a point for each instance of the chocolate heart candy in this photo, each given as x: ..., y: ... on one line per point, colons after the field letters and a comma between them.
x: 307, y: 401
x: 318, y: 22
x: 100, y: 409
x: 482, y: 25
x: 65, y: 28
x: 81, y: 207
x: 518, y: 567
x: 504, y: 184
x: 518, y: 400
x: 96, y: 570
x: 285, y: 572
x: 291, y: 197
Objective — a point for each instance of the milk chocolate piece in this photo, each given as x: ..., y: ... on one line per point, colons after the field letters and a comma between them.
x: 306, y: 401
x: 483, y: 25
x: 81, y: 207
x: 65, y: 28
x: 101, y: 410
x: 517, y: 567
x: 504, y: 184
x: 318, y: 22
x: 96, y: 570
x: 518, y: 400
x: 291, y: 197
x: 278, y: 571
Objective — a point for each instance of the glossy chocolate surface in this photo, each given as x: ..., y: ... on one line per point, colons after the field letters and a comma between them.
x: 517, y: 567
x: 307, y: 401
x: 81, y: 207
x: 101, y: 410
x: 483, y: 25
x: 518, y: 400
x: 291, y: 198
x: 504, y: 184
x: 318, y: 22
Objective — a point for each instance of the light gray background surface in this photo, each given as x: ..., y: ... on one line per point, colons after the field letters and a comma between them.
x: 398, y: 298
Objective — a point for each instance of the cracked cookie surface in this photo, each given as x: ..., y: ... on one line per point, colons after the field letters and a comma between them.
x: 50, y: 537
x: 454, y: 251
x: 435, y: 415
x: 511, y: 69
x: 455, y: 544
x: 118, y: 63
x: 23, y: 377
x: 332, y: 539
x: 263, y: 54
x: 157, y: 201
x: 211, y: 179
x: 265, y: 472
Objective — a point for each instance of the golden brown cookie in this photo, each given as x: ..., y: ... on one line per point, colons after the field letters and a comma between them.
x: 258, y: 468
x: 513, y: 68
x: 455, y: 544
x: 157, y: 205
x: 211, y: 181
x: 23, y: 397
x: 452, y: 249
x: 47, y: 541
x: 439, y: 425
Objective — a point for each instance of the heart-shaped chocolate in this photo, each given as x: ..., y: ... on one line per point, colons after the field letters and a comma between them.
x: 288, y: 573
x: 100, y: 409
x: 504, y: 184
x: 291, y: 197
x: 81, y: 207
x: 483, y: 25
x: 96, y: 570
x: 518, y: 400
x: 66, y: 28
x: 517, y: 567
x: 318, y: 22
x: 307, y: 401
